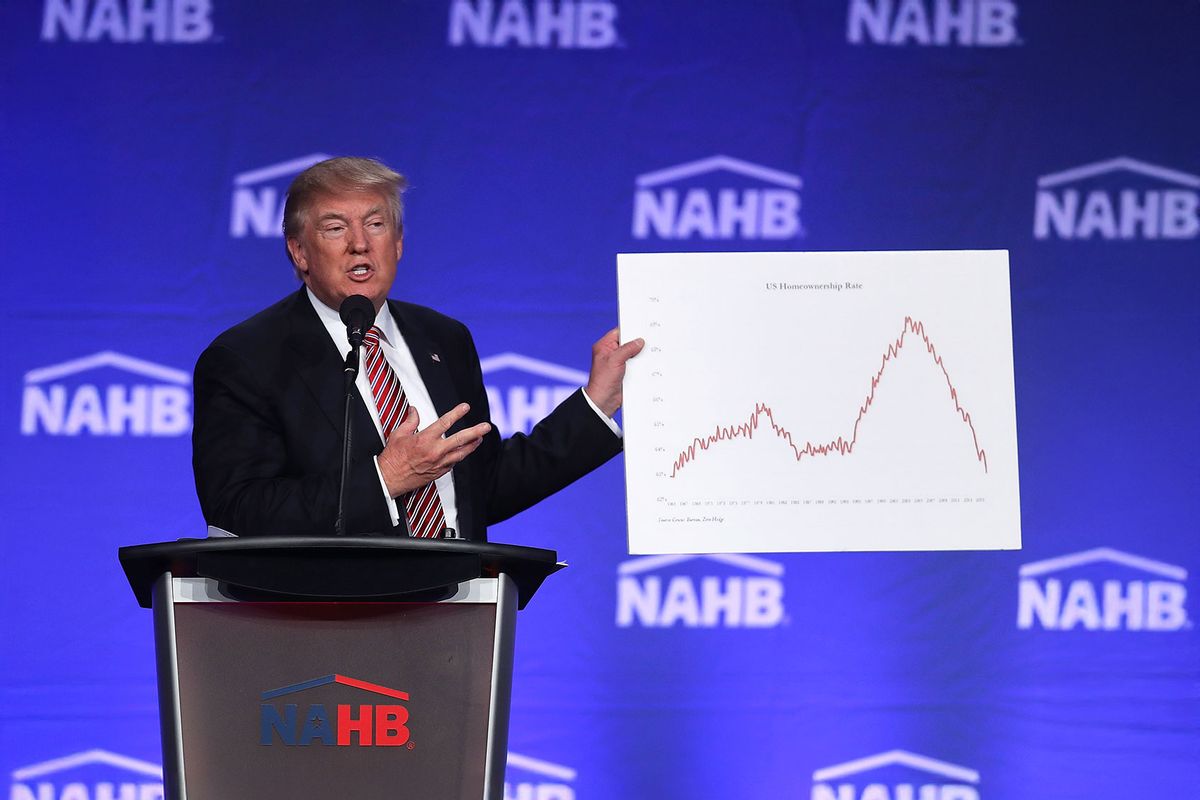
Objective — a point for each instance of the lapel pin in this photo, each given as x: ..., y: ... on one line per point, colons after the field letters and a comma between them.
x: 436, y: 357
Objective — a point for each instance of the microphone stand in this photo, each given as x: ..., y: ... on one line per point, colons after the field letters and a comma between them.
x: 350, y: 373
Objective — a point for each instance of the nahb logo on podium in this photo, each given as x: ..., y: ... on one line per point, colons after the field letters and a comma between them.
x: 561, y: 24
x: 128, y: 21
x: 751, y: 597
x: 363, y: 724
x: 533, y: 779
x: 1109, y: 590
x: 259, y: 195
x: 90, y: 775
x: 719, y: 198
x: 521, y: 390
x: 895, y: 775
x: 143, y: 399
x: 933, y: 23
x: 1118, y: 199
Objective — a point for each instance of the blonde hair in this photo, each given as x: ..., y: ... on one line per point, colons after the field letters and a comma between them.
x: 345, y: 174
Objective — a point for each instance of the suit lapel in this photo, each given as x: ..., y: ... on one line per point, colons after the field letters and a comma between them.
x: 430, y: 363
x: 319, y: 365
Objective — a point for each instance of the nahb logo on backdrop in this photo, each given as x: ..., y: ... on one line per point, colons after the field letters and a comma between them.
x: 717, y: 198
x: 1121, y: 198
x: 146, y: 400
x: 91, y: 775
x: 127, y: 21
x: 537, y: 780
x: 1107, y: 598
x: 889, y: 776
x: 750, y: 598
x: 364, y: 724
x: 259, y: 195
x: 937, y: 23
x: 517, y: 405
x: 562, y: 24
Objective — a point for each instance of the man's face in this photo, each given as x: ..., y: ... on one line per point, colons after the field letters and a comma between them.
x: 348, y: 245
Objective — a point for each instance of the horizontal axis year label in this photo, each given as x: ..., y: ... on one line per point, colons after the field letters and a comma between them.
x: 819, y: 501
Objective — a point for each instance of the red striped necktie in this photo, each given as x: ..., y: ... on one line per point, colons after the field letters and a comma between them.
x: 422, y: 507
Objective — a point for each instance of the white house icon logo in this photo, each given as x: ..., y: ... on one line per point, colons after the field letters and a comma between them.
x: 1132, y: 208
x: 145, y: 408
x: 259, y: 195
x: 517, y: 407
x: 43, y: 781
x: 664, y: 208
x: 1111, y: 604
x: 753, y: 600
x: 950, y: 782
x: 545, y: 781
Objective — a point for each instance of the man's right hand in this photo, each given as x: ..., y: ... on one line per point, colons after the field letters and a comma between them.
x: 411, y: 459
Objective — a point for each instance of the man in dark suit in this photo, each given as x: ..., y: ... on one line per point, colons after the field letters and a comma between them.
x: 269, y: 397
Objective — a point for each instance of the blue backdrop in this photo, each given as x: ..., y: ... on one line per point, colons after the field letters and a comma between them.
x: 147, y: 144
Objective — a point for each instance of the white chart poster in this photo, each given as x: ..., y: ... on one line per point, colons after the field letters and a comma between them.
x: 793, y: 402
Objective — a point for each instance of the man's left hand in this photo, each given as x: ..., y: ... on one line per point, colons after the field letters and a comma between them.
x: 608, y: 370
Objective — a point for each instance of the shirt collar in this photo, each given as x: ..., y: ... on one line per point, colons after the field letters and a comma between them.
x: 333, y: 321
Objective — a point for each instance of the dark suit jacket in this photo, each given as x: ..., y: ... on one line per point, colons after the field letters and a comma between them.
x: 266, y: 442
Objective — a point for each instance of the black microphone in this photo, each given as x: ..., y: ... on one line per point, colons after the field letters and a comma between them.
x: 358, y: 313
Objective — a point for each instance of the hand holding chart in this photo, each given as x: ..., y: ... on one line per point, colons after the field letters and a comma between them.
x: 819, y: 401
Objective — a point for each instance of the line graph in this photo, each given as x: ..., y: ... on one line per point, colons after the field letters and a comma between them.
x: 842, y: 445
x: 819, y: 401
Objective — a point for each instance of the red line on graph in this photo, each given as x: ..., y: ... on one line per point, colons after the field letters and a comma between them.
x: 842, y: 445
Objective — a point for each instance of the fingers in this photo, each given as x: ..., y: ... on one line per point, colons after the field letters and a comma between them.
x: 608, y: 369
x: 629, y: 349
x: 473, y: 434
x: 459, y: 451
x: 448, y: 419
x: 442, y: 446
x: 609, y: 346
x: 436, y: 431
x: 606, y: 344
x: 413, y: 460
x: 445, y: 453
x: 408, y: 425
